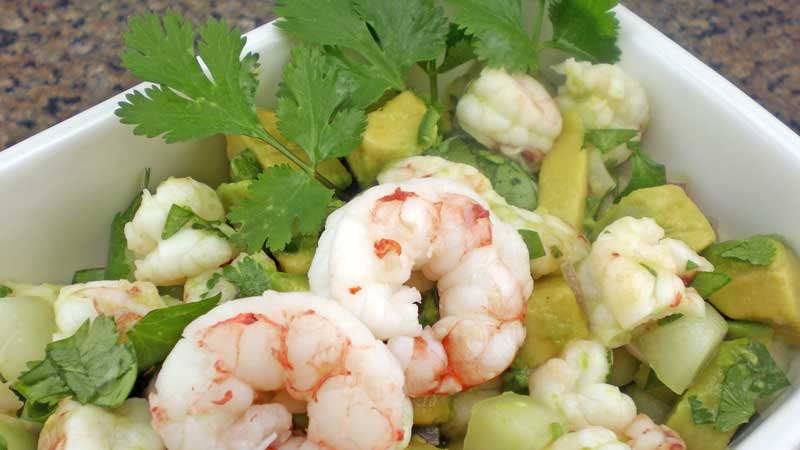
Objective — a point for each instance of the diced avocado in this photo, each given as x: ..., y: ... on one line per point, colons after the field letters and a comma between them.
x: 752, y: 330
x: 706, y: 388
x: 431, y: 410
x: 232, y: 193
x: 769, y: 294
x: 647, y: 380
x: 512, y: 421
x: 393, y: 132
x: 417, y: 443
x: 647, y: 403
x: 670, y: 207
x: 563, y: 178
x: 18, y: 434
x: 624, y: 367
x: 455, y: 445
x: 331, y: 169
x: 553, y: 319
x: 296, y: 257
x: 289, y: 282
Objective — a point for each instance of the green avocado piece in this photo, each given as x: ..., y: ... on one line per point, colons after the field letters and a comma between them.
x: 232, y: 193
x: 769, y: 294
x: 512, y: 421
x: 707, y: 389
x: 670, y: 207
x: 553, y: 319
x: 433, y: 409
x: 393, y: 132
x: 297, y: 256
x: 17, y: 433
x: 623, y: 368
x: 417, y: 443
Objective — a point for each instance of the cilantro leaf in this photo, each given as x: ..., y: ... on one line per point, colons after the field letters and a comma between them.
x: 586, y: 29
x: 179, y: 216
x: 669, y: 319
x: 3, y: 443
x: 248, y: 276
x: 155, y: 334
x: 757, y: 250
x: 706, y: 283
x: 649, y: 269
x: 405, y: 32
x: 459, y: 48
x: 275, y: 201
x: 87, y: 275
x: 429, y: 308
x: 245, y: 166
x: 691, y: 265
x: 310, y: 109
x: 90, y: 366
x: 500, y: 38
x: 187, y: 104
x: 515, y: 379
x: 119, y: 265
x: 700, y: 414
x: 5, y: 291
x: 533, y: 242
x: 608, y: 139
x: 645, y: 173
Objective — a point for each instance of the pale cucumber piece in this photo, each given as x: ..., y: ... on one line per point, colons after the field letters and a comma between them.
x: 461, y: 407
x: 9, y: 403
x: 677, y: 350
x: 512, y: 421
x: 18, y: 434
x: 26, y: 327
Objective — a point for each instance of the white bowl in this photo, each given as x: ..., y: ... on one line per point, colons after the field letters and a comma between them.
x: 60, y: 188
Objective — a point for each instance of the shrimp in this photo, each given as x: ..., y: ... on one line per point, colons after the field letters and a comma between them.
x: 219, y: 386
x: 126, y: 302
x: 633, y: 275
x: 590, y: 438
x: 575, y: 385
x: 371, y: 247
x: 644, y: 434
x: 510, y: 113
x: 560, y: 241
x: 73, y: 426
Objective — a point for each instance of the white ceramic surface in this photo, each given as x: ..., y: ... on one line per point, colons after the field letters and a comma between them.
x: 60, y: 189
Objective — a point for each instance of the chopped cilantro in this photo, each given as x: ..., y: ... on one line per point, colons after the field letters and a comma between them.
x: 757, y: 250
x: 669, y: 319
x: 91, y: 366
x: 248, y: 276
x: 119, y: 265
x: 556, y: 430
x: 515, y: 379
x: 245, y: 166
x: 5, y: 291
x: 87, y: 275
x: 700, y: 414
x: 429, y: 308
x: 158, y: 331
x: 556, y: 252
x: 459, y: 48
x: 691, y: 265
x: 533, y: 242
x: 608, y: 139
x: 179, y: 216
x: 586, y: 29
x: 649, y: 269
x: 706, y: 283
x: 212, y: 282
x: 645, y: 173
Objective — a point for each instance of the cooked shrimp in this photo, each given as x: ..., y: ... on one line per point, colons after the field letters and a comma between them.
x: 126, y: 302
x: 644, y: 434
x: 590, y: 438
x: 214, y: 388
x: 633, y: 276
x: 87, y: 427
x: 371, y: 247
x: 575, y: 385
x: 561, y: 242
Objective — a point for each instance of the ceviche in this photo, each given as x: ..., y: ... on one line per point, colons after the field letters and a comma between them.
x: 432, y: 239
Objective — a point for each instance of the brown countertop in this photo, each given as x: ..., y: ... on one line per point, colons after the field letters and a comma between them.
x: 59, y: 57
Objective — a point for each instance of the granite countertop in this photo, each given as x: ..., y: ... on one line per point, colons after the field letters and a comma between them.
x: 59, y: 57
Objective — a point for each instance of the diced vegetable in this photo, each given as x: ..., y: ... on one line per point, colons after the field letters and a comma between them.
x: 647, y: 403
x: 296, y: 257
x: 647, y: 380
x: 232, y: 193
x: 553, y: 319
x: 392, y: 133
x: 26, y: 326
x: 512, y: 421
x: 696, y: 337
x: 9, y: 402
x: 563, y: 179
x: 18, y: 434
x: 752, y: 330
x: 433, y: 409
x: 670, y: 207
x: 623, y: 368
x: 765, y: 293
x: 418, y: 443
x: 463, y: 402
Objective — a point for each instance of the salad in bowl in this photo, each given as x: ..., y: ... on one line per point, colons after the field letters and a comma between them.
x: 445, y: 233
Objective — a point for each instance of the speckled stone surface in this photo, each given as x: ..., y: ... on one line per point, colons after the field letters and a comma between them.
x: 59, y: 57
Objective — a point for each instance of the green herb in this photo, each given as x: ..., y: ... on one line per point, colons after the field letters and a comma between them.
x: 459, y: 49
x: 700, y: 414
x: 5, y: 291
x: 87, y: 275
x: 90, y: 366
x: 645, y: 173
x: 279, y: 199
x: 248, y: 276
x: 388, y: 37
x: 556, y: 430
x: 429, y: 308
x: 245, y: 166
x: 609, y: 139
x: 669, y: 319
x: 691, y: 265
x: 515, y: 379
x: 587, y: 29
x: 120, y: 260
x: 556, y: 252
x: 649, y: 269
x: 312, y: 109
x: 757, y: 250
x: 212, y: 282
x: 180, y: 216
x: 155, y: 334
x: 533, y: 242
x: 706, y: 283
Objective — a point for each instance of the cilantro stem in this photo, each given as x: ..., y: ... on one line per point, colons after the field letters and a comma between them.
x: 308, y: 169
x: 537, y: 27
x: 433, y: 79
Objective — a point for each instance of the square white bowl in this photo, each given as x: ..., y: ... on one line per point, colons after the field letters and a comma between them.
x: 60, y: 188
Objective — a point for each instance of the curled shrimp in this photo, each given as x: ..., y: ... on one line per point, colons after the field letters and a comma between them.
x: 126, y: 302
x: 644, y: 434
x: 589, y: 438
x: 221, y: 386
x: 443, y: 231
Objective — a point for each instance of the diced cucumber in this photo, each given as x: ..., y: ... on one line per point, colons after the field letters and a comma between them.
x: 647, y: 403
x: 18, y: 434
x: 677, y: 350
x: 624, y: 367
x: 647, y: 380
x: 26, y: 326
x: 462, y: 405
x: 433, y: 409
